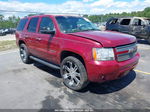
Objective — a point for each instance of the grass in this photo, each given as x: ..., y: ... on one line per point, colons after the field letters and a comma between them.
x: 7, y: 44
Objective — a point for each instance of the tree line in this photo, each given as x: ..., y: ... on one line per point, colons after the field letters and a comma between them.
x: 105, y: 17
x: 12, y: 21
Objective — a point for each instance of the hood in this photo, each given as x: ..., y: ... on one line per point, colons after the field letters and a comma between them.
x: 107, y: 38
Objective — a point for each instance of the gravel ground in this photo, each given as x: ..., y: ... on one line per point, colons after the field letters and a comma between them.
x: 7, y: 37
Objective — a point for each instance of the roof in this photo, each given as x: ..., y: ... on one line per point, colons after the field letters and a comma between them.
x: 134, y: 17
x: 62, y: 14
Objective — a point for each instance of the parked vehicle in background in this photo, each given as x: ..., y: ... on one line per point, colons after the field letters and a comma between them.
x: 11, y: 31
x: 7, y: 31
x: 77, y: 47
x: 137, y: 26
x: 101, y: 26
x: 2, y: 32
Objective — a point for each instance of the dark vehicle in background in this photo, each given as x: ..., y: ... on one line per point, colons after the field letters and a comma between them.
x: 11, y: 31
x: 7, y: 31
x: 137, y: 26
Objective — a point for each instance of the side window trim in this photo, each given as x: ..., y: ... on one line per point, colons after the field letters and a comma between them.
x: 26, y: 26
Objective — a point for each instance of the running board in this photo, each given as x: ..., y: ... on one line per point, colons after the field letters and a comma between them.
x: 45, y: 63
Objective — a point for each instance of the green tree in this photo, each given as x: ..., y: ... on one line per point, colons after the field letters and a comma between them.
x: 10, y: 22
x: 105, y: 17
x: 1, y: 17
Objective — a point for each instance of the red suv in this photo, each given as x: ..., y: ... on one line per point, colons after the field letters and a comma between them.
x: 77, y: 47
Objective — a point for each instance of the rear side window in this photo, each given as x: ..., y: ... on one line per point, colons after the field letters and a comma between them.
x: 33, y: 24
x: 21, y: 24
x: 138, y: 22
x: 125, y: 22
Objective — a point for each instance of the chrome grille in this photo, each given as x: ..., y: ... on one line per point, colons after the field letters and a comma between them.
x: 126, y: 52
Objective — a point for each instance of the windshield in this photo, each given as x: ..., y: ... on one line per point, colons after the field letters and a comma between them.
x: 69, y: 24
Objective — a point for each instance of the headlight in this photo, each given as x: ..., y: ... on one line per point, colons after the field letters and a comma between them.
x: 103, y: 54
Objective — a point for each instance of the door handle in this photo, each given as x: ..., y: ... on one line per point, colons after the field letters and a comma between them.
x: 26, y: 36
x: 39, y: 39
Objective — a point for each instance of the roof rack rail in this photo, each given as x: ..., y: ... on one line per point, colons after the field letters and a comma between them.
x: 75, y: 14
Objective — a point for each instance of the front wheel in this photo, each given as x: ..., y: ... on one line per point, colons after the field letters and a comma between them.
x: 74, y: 73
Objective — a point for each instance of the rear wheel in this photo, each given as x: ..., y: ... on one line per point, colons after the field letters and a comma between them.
x: 24, y: 54
x: 74, y: 73
x: 148, y: 39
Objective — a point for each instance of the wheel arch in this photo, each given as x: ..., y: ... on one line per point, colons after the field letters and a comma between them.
x: 21, y: 42
x: 66, y: 53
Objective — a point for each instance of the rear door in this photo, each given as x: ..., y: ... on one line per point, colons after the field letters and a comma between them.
x: 31, y: 35
x: 124, y: 26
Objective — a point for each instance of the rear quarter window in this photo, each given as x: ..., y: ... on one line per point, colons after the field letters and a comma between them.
x: 22, y: 24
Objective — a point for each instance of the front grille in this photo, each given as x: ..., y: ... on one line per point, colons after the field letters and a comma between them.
x: 126, y: 52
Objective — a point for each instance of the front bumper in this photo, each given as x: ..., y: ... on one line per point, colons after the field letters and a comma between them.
x: 101, y: 71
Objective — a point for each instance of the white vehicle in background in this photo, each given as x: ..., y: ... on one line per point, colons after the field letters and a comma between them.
x: 2, y: 32
x: 101, y: 26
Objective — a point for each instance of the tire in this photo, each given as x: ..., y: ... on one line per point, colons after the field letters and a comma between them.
x: 148, y: 39
x: 24, y: 54
x: 73, y: 73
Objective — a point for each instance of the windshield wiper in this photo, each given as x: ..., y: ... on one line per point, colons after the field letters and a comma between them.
x: 83, y: 30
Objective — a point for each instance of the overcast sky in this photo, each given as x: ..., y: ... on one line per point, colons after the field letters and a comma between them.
x: 73, y: 6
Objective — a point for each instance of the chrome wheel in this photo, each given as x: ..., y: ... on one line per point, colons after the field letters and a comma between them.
x: 23, y: 53
x: 71, y: 74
